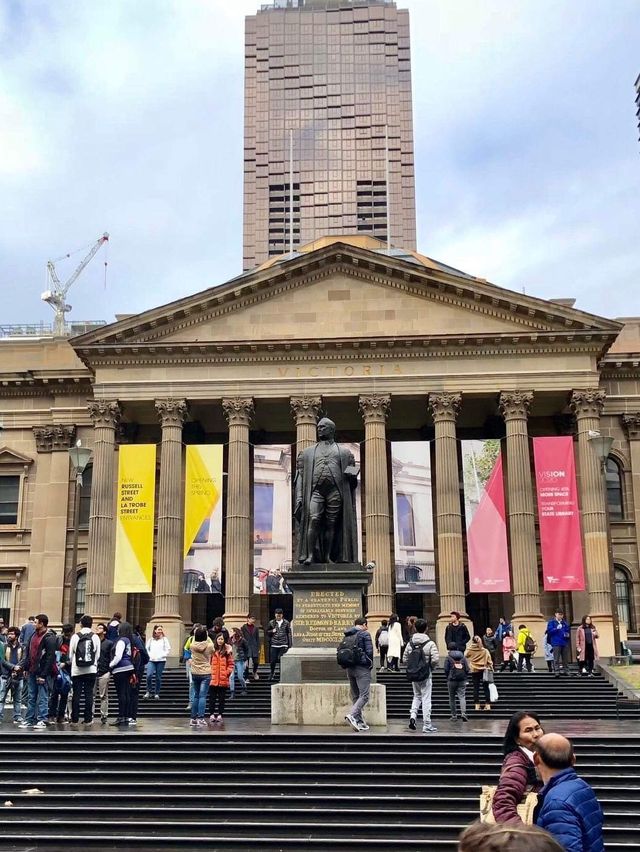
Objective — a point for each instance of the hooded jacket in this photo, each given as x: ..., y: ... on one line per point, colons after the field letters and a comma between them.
x: 364, y: 643
x: 201, y: 653
x: 221, y: 667
x: 479, y: 658
x: 571, y: 813
x: 46, y: 655
x: 429, y: 646
x: 453, y: 657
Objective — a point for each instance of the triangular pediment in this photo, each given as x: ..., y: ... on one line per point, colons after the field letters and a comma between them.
x: 343, y: 291
x: 13, y: 457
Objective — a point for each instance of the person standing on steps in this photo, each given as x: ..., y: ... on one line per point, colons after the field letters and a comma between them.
x: 114, y: 626
x: 84, y: 651
x: 158, y: 648
x: 456, y: 633
x: 518, y: 775
x: 240, y: 658
x: 359, y: 674
x: 221, y: 669
x: 489, y: 641
x: 37, y: 663
x: 421, y: 651
x: 587, y: 645
x: 103, y: 671
x: 382, y: 642
x: 61, y: 683
x: 11, y: 674
x: 140, y: 661
x: 526, y: 646
x: 394, y: 651
x: 122, y: 669
x: 279, y: 637
x: 201, y: 652
x: 508, y: 651
x: 480, y: 661
x: 503, y: 626
x: 217, y: 626
x: 456, y: 672
x: 559, y: 636
x: 251, y: 634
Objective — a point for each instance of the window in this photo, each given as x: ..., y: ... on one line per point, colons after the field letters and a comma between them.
x: 9, y: 497
x: 614, y: 489
x: 624, y: 598
x: 5, y: 602
x: 262, y: 513
x: 85, y: 496
x: 81, y: 595
x: 406, y: 526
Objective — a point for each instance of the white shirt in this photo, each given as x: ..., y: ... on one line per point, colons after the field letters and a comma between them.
x: 82, y: 670
x: 159, y: 649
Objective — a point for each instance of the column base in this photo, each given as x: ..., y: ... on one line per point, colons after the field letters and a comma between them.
x: 442, y: 624
x: 606, y: 642
x: 173, y: 627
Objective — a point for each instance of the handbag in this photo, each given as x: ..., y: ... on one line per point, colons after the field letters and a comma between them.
x: 493, y: 693
x: 525, y: 809
x: 487, y: 676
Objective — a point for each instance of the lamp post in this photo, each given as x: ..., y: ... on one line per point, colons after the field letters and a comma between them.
x: 79, y: 456
x: 601, y: 445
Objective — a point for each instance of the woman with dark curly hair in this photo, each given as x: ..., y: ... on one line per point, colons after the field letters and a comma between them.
x: 518, y: 775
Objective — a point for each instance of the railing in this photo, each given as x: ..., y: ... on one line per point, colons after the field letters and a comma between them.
x: 45, y: 329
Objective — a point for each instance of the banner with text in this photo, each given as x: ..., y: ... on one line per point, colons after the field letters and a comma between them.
x: 414, y: 552
x: 133, y: 570
x: 558, y: 515
x: 485, y: 515
x: 202, y: 572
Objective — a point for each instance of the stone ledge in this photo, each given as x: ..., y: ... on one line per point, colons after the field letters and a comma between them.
x: 322, y: 704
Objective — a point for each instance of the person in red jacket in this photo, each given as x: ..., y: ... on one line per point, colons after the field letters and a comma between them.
x: 221, y: 668
x: 518, y: 775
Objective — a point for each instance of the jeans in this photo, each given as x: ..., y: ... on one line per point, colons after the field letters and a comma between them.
x: 561, y: 658
x: 199, y: 691
x: 360, y: 684
x: 38, y: 701
x: 83, y: 688
x: 7, y: 684
x: 422, y: 696
x: 238, y: 672
x: 155, y: 669
x: 478, y: 679
x: 58, y: 702
x: 457, y: 689
x: 103, y: 692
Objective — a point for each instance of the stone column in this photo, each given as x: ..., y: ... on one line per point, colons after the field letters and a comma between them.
x: 587, y: 406
x: 105, y: 415
x: 238, y: 411
x: 306, y: 410
x: 375, y: 410
x: 631, y: 423
x: 169, y: 556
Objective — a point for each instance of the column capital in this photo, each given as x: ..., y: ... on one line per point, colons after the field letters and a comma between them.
x: 587, y: 403
x: 172, y: 412
x: 54, y: 438
x: 238, y: 410
x: 514, y: 405
x: 306, y: 409
x: 374, y: 407
x: 104, y: 412
x: 444, y: 406
x: 631, y: 424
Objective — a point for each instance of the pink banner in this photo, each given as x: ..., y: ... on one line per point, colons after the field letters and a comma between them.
x: 486, y: 517
x: 558, y: 514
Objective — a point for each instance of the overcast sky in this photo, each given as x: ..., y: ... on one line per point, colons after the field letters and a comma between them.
x: 126, y: 116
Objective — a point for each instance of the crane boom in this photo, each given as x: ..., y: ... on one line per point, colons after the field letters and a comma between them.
x: 56, y: 296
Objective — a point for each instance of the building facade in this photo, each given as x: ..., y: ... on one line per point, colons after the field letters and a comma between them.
x: 394, y: 348
x: 327, y: 94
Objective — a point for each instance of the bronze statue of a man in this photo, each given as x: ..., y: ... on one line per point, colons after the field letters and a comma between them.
x: 325, y: 483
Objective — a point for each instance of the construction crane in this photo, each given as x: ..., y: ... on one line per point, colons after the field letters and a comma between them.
x: 56, y: 296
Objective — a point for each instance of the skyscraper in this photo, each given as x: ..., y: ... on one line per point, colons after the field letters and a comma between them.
x: 327, y: 94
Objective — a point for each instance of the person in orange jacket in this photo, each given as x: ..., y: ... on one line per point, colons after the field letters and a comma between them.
x: 221, y: 668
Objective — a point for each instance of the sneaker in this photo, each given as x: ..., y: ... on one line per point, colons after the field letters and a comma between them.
x: 157, y: 697
x: 362, y: 725
x: 429, y: 729
x: 213, y: 717
x: 40, y: 726
x: 453, y: 718
x: 25, y: 725
x: 256, y: 676
x: 193, y: 723
x: 146, y: 695
x: 202, y: 723
x: 219, y: 718
x: 351, y: 720
x: 412, y: 724
x: 464, y: 718
x: 18, y: 721
x: 132, y: 722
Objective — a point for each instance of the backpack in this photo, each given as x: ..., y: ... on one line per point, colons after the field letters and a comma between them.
x: 457, y: 670
x: 418, y: 667
x: 529, y: 645
x: 349, y: 653
x: 383, y: 638
x: 85, y: 651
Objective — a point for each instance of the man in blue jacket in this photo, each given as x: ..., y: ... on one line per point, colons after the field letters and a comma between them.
x: 569, y: 810
x: 559, y: 637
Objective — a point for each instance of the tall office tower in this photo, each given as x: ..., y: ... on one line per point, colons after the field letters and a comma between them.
x: 327, y: 94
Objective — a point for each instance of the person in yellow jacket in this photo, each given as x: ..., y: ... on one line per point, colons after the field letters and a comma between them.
x: 526, y: 647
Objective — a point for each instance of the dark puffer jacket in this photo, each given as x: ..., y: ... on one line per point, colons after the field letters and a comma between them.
x: 571, y: 813
x: 517, y: 777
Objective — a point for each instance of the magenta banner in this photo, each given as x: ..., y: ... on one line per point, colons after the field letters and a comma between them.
x: 485, y: 515
x: 558, y: 515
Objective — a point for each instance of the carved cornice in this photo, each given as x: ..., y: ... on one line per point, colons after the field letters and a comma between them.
x: 444, y: 406
x: 306, y: 409
x: 104, y: 413
x: 631, y: 424
x: 172, y: 412
x: 375, y: 407
x: 238, y: 410
x: 54, y: 438
x: 514, y: 405
x: 588, y: 403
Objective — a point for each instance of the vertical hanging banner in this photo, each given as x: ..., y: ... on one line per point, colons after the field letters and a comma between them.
x: 558, y: 515
x: 485, y: 515
x: 133, y: 570
x: 414, y: 552
x: 202, y: 572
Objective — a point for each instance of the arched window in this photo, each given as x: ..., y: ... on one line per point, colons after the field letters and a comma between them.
x: 614, y: 489
x: 624, y: 597
x: 81, y: 594
x: 85, y: 496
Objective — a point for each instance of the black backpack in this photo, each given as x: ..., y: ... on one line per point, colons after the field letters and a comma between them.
x: 418, y: 667
x: 85, y: 651
x: 458, y: 670
x: 349, y: 653
x: 529, y: 645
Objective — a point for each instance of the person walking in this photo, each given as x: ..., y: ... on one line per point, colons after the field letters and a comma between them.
x: 517, y: 775
x: 480, y: 662
x: 587, y: 645
x: 84, y: 652
x: 240, y: 657
x: 420, y: 658
x: 526, y: 646
x: 456, y: 632
x: 201, y: 652
x: 251, y: 635
x: 456, y: 672
x: 359, y: 675
x: 158, y: 648
x: 570, y: 810
x: 11, y: 674
x: 558, y: 633
x: 121, y: 667
x: 508, y: 651
x: 221, y: 669
x: 382, y: 642
x: 103, y: 671
x: 394, y: 651
x: 280, y: 640
x: 61, y: 681
x: 38, y: 662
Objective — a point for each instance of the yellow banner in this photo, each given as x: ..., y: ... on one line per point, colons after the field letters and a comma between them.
x: 135, y: 511
x: 202, y: 488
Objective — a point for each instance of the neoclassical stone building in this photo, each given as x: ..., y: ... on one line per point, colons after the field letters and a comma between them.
x: 393, y: 346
